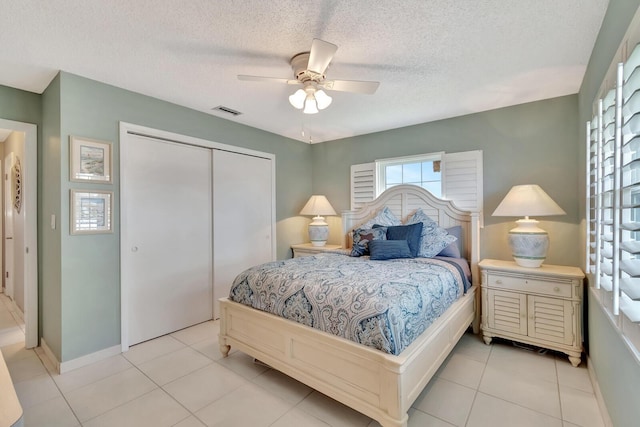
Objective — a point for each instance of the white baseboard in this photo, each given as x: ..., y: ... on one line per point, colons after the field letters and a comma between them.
x: 62, y: 367
x: 53, y: 360
x: 596, y: 389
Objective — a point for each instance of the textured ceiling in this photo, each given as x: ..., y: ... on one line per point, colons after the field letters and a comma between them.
x: 434, y: 59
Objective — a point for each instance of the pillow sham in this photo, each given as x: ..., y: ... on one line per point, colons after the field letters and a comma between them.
x: 362, y: 237
x: 384, y: 217
x: 389, y: 249
x: 433, y: 238
x: 454, y: 249
x: 411, y: 233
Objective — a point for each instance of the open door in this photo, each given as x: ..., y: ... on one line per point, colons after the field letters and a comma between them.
x: 8, y: 262
x: 24, y: 215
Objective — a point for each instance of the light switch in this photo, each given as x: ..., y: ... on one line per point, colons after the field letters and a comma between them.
x: 53, y: 221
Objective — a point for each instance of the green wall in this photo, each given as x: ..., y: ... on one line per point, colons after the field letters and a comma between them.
x: 89, y: 265
x: 616, y: 369
x: 531, y: 143
x: 20, y: 106
x: 49, y: 253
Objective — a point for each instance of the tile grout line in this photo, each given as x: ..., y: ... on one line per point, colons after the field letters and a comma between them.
x: 555, y: 367
x: 475, y: 396
x: 57, y: 387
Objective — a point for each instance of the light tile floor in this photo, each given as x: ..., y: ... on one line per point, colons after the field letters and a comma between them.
x: 182, y: 380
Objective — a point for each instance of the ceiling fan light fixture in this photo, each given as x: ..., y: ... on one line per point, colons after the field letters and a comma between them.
x: 310, y: 105
x: 298, y: 98
x: 322, y: 99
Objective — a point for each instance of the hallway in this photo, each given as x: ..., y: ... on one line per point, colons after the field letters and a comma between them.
x: 11, y: 325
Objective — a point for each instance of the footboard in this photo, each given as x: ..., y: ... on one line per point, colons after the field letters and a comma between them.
x: 379, y: 385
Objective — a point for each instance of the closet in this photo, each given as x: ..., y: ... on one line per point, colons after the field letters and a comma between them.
x: 194, y: 214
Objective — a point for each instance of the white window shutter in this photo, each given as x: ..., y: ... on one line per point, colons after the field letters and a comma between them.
x: 462, y: 179
x: 363, y: 184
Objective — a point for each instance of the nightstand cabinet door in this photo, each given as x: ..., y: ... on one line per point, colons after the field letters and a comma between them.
x: 509, y: 311
x: 551, y: 319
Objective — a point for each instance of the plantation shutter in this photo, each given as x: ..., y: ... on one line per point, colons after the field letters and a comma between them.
x: 462, y: 180
x: 614, y: 200
x: 607, y: 195
x: 630, y: 229
x: 363, y: 184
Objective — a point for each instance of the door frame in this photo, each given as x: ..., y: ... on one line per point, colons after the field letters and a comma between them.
x: 30, y: 206
x: 8, y: 251
x: 132, y: 129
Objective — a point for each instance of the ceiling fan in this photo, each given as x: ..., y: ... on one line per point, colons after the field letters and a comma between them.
x: 309, y: 71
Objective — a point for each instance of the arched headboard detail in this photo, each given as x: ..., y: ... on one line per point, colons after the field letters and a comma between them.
x: 404, y: 200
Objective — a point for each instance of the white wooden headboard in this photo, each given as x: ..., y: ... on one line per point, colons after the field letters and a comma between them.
x: 404, y: 200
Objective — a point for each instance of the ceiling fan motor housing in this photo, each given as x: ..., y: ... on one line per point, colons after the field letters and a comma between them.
x: 299, y: 65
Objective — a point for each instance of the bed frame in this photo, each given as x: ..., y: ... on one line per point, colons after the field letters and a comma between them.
x: 379, y: 385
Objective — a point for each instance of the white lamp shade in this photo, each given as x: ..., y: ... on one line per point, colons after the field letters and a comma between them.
x: 527, y: 200
x: 322, y: 99
x: 318, y: 205
x: 297, y: 99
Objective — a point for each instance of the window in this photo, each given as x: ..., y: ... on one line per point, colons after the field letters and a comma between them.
x: 452, y: 176
x: 614, y: 200
x: 423, y: 171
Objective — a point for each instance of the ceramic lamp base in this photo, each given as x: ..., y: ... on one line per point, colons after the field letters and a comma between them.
x: 529, y: 243
x: 318, y: 231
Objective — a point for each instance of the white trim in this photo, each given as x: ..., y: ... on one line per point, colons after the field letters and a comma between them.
x: 49, y: 355
x: 88, y: 359
x: 595, y: 294
x: 143, y: 131
x: 599, y: 398
x: 30, y: 206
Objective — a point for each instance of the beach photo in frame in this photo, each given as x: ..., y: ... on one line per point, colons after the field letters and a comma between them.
x: 89, y: 160
x: 90, y: 212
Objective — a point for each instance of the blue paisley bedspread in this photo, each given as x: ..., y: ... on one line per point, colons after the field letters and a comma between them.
x: 381, y: 304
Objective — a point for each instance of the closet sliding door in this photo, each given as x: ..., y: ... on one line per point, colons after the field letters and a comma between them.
x: 166, y: 236
x: 243, y: 217
x: 194, y: 214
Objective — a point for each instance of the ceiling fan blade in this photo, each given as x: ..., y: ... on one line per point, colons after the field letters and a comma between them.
x: 267, y: 79
x: 320, y: 55
x: 356, y: 86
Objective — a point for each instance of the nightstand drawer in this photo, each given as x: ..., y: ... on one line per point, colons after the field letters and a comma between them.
x: 529, y: 285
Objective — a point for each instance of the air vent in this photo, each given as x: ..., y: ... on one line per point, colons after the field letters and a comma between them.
x: 226, y: 110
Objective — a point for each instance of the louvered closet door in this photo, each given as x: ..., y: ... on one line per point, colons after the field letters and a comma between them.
x: 509, y: 312
x: 550, y: 319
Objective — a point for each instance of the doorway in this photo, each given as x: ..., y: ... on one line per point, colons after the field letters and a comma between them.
x: 20, y: 177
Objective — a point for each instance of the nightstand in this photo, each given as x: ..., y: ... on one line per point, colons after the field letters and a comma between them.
x: 306, y: 249
x: 539, y: 306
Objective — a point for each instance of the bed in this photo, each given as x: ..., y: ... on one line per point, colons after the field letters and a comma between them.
x: 380, y: 385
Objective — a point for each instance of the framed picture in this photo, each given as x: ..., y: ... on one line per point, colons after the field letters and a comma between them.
x: 90, y: 212
x: 90, y: 160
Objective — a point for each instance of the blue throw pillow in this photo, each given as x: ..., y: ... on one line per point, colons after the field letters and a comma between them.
x: 389, y: 249
x: 454, y: 249
x: 363, y: 236
x: 411, y: 233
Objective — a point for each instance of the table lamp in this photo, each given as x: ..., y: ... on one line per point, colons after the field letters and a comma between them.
x: 528, y: 242
x: 318, y: 229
